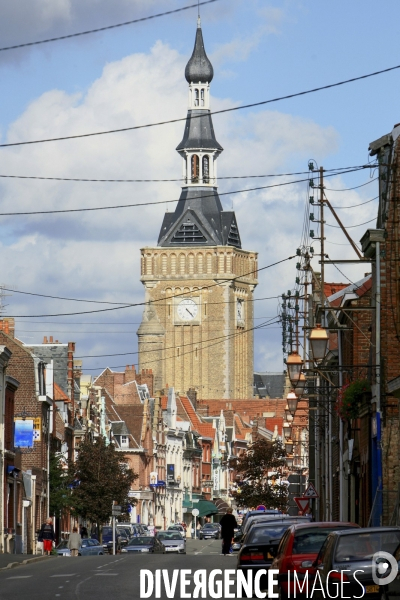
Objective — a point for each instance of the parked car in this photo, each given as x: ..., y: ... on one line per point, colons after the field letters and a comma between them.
x: 210, y: 530
x: 298, y: 550
x: 352, y: 551
x: 256, y: 513
x: 140, y: 544
x: 179, y: 528
x: 169, y: 541
x: 259, y: 545
x: 239, y: 537
x: 88, y: 547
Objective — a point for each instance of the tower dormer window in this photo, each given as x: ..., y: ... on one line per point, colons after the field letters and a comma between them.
x: 202, y: 97
x: 195, y: 168
x: 206, y: 169
x: 196, y: 97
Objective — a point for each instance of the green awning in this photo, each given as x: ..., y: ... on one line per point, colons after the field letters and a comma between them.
x: 205, y: 508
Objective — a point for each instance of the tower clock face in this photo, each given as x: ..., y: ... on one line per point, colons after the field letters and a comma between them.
x: 187, y: 309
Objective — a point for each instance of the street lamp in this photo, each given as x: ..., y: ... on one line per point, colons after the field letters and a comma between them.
x: 289, y: 446
x: 292, y: 402
x: 318, y: 342
x: 294, y: 365
x: 301, y: 384
x: 287, y: 430
x: 288, y: 414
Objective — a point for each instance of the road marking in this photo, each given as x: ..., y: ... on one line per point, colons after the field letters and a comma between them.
x: 20, y: 577
x: 60, y: 587
x: 105, y: 574
x: 64, y: 575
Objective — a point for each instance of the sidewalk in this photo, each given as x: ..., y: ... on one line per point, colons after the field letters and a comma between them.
x: 7, y: 559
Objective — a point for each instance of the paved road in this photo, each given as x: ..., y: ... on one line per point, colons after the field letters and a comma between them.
x: 106, y: 577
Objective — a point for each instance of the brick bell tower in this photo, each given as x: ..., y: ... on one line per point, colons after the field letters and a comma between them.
x: 196, y: 330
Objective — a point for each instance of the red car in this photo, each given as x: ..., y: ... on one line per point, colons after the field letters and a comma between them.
x: 296, y: 553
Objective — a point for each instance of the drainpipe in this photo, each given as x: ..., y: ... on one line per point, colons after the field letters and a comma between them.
x: 341, y: 499
x: 378, y: 371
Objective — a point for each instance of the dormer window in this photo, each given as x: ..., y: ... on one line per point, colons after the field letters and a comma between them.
x: 195, y: 168
x: 196, y: 97
x: 124, y: 441
x: 206, y: 169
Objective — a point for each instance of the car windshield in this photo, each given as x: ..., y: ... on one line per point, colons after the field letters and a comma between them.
x: 169, y: 536
x: 140, y: 541
x: 362, y: 546
x: 264, y: 535
x: 210, y: 526
x: 107, y: 530
x: 62, y: 545
x: 309, y: 541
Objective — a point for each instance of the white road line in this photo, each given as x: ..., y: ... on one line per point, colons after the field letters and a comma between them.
x: 105, y: 574
x: 20, y: 577
x: 64, y: 575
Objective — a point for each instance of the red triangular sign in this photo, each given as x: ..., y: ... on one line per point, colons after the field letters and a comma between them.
x: 310, y: 492
x: 302, y: 503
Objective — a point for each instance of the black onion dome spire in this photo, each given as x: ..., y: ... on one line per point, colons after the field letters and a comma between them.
x: 199, y: 69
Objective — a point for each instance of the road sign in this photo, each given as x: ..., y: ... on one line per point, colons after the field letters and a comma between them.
x: 195, y: 512
x: 302, y: 503
x: 116, y: 510
x: 310, y: 492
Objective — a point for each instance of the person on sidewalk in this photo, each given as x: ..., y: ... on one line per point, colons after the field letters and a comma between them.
x: 74, y: 541
x: 47, y: 536
x: 228, y: 524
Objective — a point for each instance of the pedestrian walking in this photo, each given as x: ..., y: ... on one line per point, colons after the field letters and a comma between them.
x: 74, y: 541
x: 228, y: 524
x: 198, y: 529
x: 47, y: 536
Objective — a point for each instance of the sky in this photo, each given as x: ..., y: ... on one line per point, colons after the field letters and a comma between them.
x: 134, y: 75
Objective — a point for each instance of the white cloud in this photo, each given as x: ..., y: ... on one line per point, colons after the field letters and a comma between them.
x: 96, y: 255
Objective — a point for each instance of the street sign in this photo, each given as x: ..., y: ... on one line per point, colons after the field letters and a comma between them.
x: 310, y: 492
x: 302, y: 503
x: 195, y: 512
x: 116, y: 510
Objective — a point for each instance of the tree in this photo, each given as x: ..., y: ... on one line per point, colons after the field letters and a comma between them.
x: 259, y: 470
x: 60, y: 493
x: 98, y: 478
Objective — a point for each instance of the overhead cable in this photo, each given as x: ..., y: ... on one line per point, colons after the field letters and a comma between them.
x: 216, y: 112
x: 72, y: 35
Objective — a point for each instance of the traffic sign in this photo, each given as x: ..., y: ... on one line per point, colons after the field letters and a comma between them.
x: 311, y: 492
x: 116, y: 510
x: 302, y: 503
x: 195, y: 512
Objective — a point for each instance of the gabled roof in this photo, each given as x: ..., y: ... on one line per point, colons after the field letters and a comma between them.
x: 359, y: 288
x: 59, y: 394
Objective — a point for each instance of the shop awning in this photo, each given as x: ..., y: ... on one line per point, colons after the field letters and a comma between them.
x: 221, y: 506
x: 205, y: 508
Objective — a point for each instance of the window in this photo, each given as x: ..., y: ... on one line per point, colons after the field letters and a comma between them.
x: 124, y: 441
x: 202, y: 97
x: 196, y: 97
x: 188, y: 233
x: 195, y: 168
x: 206, y: 169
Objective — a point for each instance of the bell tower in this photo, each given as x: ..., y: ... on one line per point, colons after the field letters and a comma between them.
x: 196, y: 330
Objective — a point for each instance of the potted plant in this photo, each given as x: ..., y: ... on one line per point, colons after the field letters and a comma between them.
x: 350, y: 397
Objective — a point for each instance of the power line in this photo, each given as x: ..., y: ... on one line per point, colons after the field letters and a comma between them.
x: 72, y: 35
x: 216, y: 112
x: 355, y: 205
x: 118, y: 206
x: 87, y: 180
x: 348, y: 189
x: 351, y: 226
x: 154, y: 301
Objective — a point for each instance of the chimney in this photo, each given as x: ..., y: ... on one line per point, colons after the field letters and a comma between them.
x: 51, y: 339
x: 45, y: 339
x: 8, y: 326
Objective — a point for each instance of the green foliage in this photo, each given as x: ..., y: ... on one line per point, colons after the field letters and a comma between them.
x: 60, y: 492
x: 350, y: 398
x: 259, y: 471
x: 104, y: 478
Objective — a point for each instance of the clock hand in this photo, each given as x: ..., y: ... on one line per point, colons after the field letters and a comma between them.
x: 189, y: 312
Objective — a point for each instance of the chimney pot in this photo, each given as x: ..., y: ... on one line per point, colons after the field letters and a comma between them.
x: 51, y: 339
x: 45, y: 339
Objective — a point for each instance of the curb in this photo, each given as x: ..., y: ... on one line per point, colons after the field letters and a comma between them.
x: 28, y: 561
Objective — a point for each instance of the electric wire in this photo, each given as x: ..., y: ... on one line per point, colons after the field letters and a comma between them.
x: 107, y: 27
x: 352, y: 188
x: 351, y: 226
x: 156, y: 202
x: 216, y: 112
x: 355, y: 205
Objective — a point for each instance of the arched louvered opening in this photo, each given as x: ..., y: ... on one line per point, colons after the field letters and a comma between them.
x: 206, y: 169
x: 195, y: 168
x: 196, y: 97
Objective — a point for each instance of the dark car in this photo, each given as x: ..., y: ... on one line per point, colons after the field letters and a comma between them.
x: 88, y: 548
x: 254, y: 513
x: 239, y: 537
x: 259, y: 546
x: 347, y: 559
x: 298, y: 550
x: 169, y: 541
x: 210, y: 530
x: 142, y: 544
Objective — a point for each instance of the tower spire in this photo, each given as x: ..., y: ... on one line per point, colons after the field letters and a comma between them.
x: 205, y: 222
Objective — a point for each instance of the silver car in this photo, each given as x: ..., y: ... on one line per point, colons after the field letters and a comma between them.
x: 170, y: 541
x: 89, y: 547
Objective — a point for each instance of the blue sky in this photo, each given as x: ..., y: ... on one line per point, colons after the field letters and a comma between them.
x: 134, y: 75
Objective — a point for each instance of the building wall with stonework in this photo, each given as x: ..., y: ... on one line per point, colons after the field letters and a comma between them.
x: 213, y: 351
